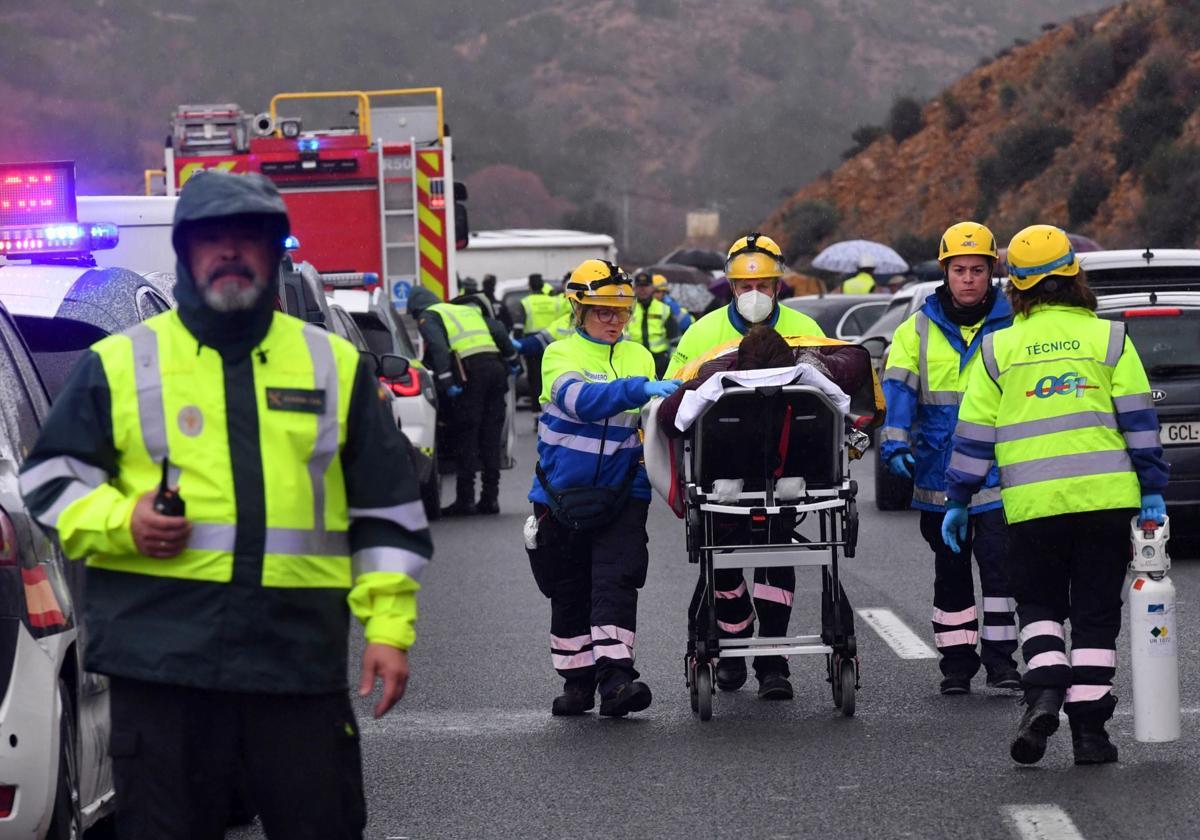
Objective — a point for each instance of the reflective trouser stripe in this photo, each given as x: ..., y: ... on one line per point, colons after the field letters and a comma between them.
x: 571, y: 652
x: 1041, y: 628
x: 955, y: 637
x: 735, y: 626
x: 775, y: 594
x: 1065, y: 466
x: 951, y: 619
x: 1049, y: 659
x: 731, y: 594
x: 999, y: 605
x: 1094, y: 658
x: 999, y: 632
x: 1087, y: 693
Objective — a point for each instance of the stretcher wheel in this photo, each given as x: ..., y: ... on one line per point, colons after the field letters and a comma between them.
x: 847, y: 679
x: 704, y: 691
x: 693, y: 694
x: 835, y: 681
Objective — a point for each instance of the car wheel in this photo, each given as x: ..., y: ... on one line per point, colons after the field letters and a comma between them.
x: 431, y: 492
x: 67, y: 820
x: 892, y: 492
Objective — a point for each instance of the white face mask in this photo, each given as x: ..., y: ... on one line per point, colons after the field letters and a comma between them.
x: 754, y: 306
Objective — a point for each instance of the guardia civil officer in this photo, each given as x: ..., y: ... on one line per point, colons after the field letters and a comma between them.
x: 223, y: 624
x: 931, y: 357
x: 753, y: 267
x: 540, y: 309
x: 590, y: 495
x: 1061, y: 403
x: 653, y: 325
x: 469, y: 353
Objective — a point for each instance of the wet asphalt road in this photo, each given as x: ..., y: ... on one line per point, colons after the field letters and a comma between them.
x: 473, y: 752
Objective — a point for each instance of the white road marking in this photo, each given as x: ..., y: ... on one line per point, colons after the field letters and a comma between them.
x: 1040, y: 822
x: 897, y: 634
x: 480, y: 722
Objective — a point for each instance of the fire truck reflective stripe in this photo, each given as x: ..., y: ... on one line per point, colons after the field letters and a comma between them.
x: 384, y: 558
x: 191, y: 169
x: 410, y: 515
x: 1041, y: 628
x: 1094, y: 658
x: 1049, y: 659
x: 326, y: 445
x: 1086, y: 693
x: 432, y: 243
x: 427, y: 217
x: 430, y: 251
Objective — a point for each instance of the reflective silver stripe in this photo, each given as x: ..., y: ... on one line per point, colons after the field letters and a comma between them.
x: 62, y: 466
x: 1133, y: 402
x: 1142, y: 440
x: 999, y: 633
x: 410, y: 515
x: 211, y: 536
x: 449, y: 313
x: 903, y: 376
x: 570, y: 397
x: 302, y: 541
x: 387, y: 559
x: 475, y: 351
x: 985, y: 496
x: 1050, y: 425
x: 1000, y: 605
x: 1065, y: 466
x: 988, y: 351
x: 325, y: 377
x: 147, y: 377
x: 1116, y: 343
x: 625, y: 419
x: 579, y: 443
x: 562, y: 381
x: 73, y: 492
x: 941, y: 398
x: 969, y: 465
x: 976, y: 431
x: 921, y: 322
x: 894, y: 433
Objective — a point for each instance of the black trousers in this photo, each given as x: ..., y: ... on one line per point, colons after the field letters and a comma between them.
x: 1071, y: 567
x: 479, y: 426
x: 955, y: 617
x: 176, y: 752
x: 660, y: 363
x: 533, y: 372
x: 592, y: 580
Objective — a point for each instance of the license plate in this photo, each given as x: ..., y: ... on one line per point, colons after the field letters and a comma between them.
x: 1177, y: 434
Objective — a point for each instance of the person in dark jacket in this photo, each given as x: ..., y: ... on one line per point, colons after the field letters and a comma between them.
x: 499, y: 310
x: 221, y: 615
x: 470, y: 355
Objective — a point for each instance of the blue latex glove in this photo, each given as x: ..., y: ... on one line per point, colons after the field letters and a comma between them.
x: 954, y: 526
x: 514, y: 368
x: 454, y: 391
x: 516, y: 345
x: 1153, y: 507
x: 901, y: 464
x: 661, y: 389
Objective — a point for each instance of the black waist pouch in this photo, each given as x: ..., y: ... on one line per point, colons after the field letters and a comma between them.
x: 586, y: 508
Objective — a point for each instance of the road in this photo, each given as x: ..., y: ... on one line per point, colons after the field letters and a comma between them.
x: 473, y: 752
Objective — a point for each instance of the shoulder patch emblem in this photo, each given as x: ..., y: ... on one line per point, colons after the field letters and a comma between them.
x: 191, y: 421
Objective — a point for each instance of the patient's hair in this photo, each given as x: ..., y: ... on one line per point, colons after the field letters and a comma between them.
x: 764, y: 348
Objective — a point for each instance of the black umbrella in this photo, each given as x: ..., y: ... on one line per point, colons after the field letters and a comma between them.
x: 700, y: 258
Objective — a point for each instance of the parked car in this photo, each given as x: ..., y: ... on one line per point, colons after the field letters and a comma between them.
x: 1148, y: 270
x: 1165, y: 329
x: 55, y: 774
x: 842, y: 316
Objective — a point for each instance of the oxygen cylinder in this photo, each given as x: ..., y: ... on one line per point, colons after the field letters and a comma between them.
x: 1153, y: 635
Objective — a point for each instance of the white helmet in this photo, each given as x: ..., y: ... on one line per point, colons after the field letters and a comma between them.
x: 866, y: 262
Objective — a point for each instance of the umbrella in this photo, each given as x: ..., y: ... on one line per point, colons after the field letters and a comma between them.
x: 843, y: 257
x: 700, y: 258
x: 689, y: 285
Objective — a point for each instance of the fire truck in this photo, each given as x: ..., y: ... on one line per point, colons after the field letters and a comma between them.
x: 373, y: 202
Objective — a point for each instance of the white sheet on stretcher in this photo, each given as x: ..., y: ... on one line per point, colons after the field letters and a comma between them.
x: 694, y: 402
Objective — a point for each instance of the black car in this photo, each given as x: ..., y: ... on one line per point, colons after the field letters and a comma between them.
x: 842, y: 316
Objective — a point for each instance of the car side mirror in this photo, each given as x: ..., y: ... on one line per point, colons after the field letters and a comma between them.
x: 392, y: 366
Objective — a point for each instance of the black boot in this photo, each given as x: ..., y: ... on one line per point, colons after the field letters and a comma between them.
x: 1039, y: 722
x: 459, y: 508
x: 488, y: 504
x: 573, y: 701
x: 625, y: 698
x: 774, y: 686
x: 1091, y: 743
x: 731, y: 673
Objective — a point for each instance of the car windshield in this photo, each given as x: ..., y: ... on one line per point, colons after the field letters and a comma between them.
x: 1169, y: 345
x: 889, y: 320
x: 57, y: 344
x: 379, y: 340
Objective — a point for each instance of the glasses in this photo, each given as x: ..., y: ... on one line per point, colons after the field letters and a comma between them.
x: 611, y: 315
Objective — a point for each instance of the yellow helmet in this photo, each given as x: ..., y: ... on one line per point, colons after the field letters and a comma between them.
x: 967, y: 238
x: 1037, y: 252
x: 599, y: 283
x: 661, y: 283
x: 754, y: 257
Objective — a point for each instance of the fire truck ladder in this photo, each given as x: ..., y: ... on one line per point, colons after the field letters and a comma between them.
x: 398, y: 209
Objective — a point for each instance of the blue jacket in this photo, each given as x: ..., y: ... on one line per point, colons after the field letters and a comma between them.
x: 923, y: 384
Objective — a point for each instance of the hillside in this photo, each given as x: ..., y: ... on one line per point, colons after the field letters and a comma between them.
x: 1093, y: 127
x: 638, y: 107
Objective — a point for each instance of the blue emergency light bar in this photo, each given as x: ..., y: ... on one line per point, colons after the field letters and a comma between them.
x: 291, y: 243
x: 38, y: 214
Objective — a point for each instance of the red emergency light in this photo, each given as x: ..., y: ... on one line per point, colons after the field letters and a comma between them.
x: 38, y: 213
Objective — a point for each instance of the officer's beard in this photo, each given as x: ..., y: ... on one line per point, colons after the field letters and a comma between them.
x: 232, y: 296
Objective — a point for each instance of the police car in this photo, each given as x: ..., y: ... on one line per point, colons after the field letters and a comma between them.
x: 55, y: 775
x: 1156, y: 293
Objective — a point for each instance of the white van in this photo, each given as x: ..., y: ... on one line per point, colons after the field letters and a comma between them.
x: 144, y: 225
